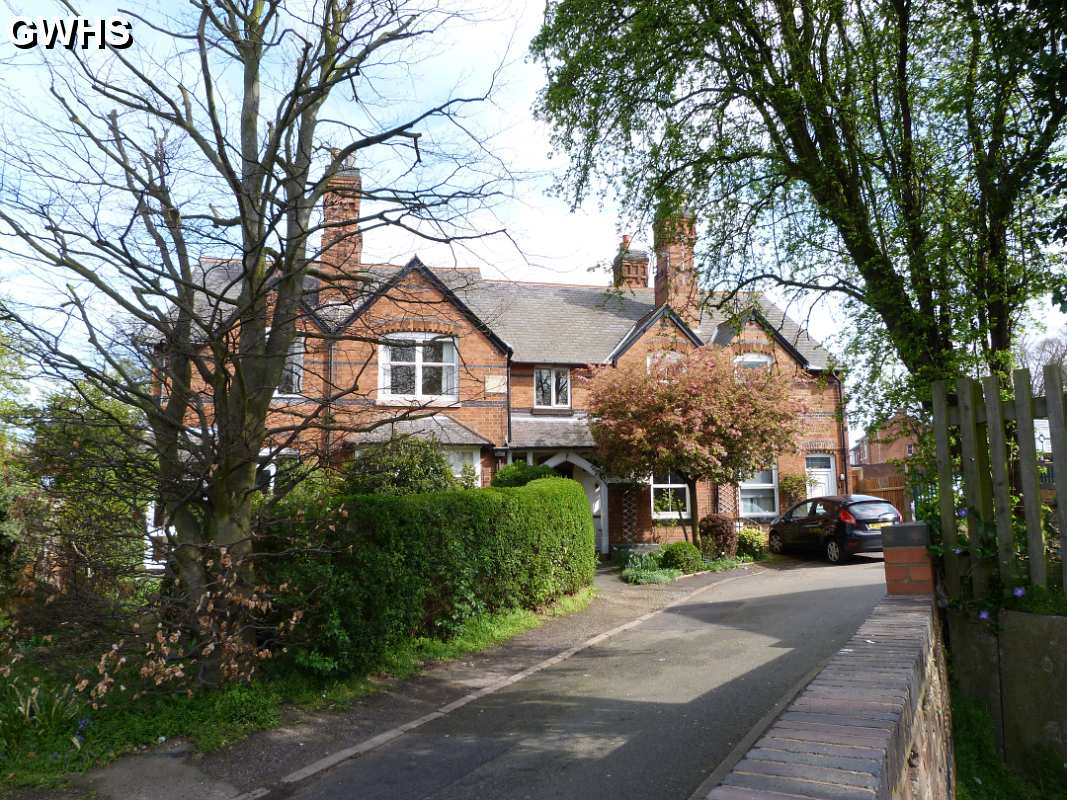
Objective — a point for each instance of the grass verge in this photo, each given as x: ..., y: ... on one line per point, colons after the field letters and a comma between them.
x: 85, y: 738
x: 983, y: 776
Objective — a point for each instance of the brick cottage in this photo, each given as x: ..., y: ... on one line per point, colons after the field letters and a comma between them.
x: 495, y: 368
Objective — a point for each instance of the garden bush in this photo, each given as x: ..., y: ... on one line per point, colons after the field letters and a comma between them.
x: 408, y: 465
x: 718, y: 536
x: 368, y: 572
x: 752, y: 544
x: 520, y: 473
x: 681, y: 555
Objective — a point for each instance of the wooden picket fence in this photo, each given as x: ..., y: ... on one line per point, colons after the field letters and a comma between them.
x: 1000, y: 487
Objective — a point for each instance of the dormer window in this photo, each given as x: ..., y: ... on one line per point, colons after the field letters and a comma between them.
x: 753, y: 360
x: 552, y: 387
x: 417, y: 367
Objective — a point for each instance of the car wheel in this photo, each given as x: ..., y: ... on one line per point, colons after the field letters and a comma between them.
x: 834, y: 553
x: 775, y: 543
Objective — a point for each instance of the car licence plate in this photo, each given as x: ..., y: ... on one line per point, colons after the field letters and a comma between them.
x: 873, y: 526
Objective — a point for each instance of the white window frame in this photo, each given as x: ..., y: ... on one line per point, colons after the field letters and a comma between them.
x: 754, y: 360
x: 294, y: 356
x: 663, y: 356
x: 529, y: 459
x: 762, y: 487
x: 385, y: 395
x: 673, y: 486
x: 554, y: 399
x: 476, y: 460
x: 271, y: 467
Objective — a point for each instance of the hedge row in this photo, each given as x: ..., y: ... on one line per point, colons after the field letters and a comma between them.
x: 371, y: 571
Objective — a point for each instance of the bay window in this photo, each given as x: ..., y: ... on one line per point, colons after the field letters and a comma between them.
x: 418, y: 367
x: 459, y: 458
x: 552, y: 387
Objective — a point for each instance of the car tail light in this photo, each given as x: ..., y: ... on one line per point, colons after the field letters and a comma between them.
x: 846, y: 516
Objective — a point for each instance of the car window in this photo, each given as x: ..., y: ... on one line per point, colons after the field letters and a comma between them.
x: 797, y: 511
x: 871, y: 509
x: 820, y: 508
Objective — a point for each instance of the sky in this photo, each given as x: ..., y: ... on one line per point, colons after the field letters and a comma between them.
x: 546, y: 239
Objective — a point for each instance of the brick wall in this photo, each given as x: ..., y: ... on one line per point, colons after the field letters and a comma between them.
x: 874, y: 724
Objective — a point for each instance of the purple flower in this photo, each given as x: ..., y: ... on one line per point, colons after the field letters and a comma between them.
x: 983, y: 615
x: 957, y: 550
x: 961, y: 513
x: 1018, y: 591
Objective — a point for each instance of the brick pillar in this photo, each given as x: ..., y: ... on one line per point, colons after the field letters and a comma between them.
x: 908, y: 567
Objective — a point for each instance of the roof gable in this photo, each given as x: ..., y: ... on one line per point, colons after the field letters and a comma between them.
x: 415, y: 266
x: 642, y: 326
x: 728, y: 331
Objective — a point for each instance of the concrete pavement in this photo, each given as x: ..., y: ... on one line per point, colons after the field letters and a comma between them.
x: 648, y: 710
x: 647, y: 714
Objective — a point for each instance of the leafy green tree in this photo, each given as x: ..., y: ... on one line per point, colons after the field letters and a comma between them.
x: 883, y: 153
x: 406, y: 465
x: 86, y: 456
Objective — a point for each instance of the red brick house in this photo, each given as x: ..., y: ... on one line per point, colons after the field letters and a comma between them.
x: 496, y: 365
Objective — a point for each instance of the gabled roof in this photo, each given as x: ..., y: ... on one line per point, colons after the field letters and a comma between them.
x: 548, y: 323
x: 645, y: 323
x: 415, y: 265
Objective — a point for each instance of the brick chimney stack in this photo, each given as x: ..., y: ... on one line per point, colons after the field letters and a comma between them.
x: 342, y: 242
x: 630, y: 269
x: 676, y: 279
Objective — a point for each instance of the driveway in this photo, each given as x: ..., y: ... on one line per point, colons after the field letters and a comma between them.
x: 641, y: 695
x: 646, y: 714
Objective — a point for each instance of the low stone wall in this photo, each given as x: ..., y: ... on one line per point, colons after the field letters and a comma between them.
x: 874, y: 723
x: 1016, y: 666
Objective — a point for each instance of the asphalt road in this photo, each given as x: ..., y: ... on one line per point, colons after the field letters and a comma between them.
x: 647, y: 714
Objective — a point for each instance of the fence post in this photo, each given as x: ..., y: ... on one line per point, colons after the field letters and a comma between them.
x: 1028, y: 482
x: 1058, y: 430
x: 946, y: 491
x: 975, y: 459
x: 998, y: 458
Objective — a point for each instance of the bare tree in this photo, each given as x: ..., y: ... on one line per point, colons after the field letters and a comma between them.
x: 1035, y: 353
x: 169, y: 194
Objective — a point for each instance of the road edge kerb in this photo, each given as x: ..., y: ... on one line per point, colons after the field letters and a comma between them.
x: 754, y: 733
x: 367, y: 745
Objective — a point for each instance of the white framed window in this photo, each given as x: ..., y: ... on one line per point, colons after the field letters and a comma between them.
x: 759, y: 494
x: 670, y: 495
x: 417, y: 367
x: 552, y: 387
x: 461, y: 457
x: 753, y: 360
x: 292, y: 382
x: 274, y: 475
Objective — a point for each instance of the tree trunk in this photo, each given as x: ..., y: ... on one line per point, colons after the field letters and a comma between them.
x: 694, y: 512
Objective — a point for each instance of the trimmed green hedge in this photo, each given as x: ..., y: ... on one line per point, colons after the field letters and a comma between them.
x: 520, y: 473
x: 396, y: 567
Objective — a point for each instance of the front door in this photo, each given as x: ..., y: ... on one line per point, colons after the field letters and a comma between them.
x: 820, y: 473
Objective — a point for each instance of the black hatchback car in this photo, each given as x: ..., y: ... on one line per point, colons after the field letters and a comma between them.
x: 837, y: 526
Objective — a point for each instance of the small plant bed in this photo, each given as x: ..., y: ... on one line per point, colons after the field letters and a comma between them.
x: 983, y: 776
x: 47, y: 734
x: 674, y: 561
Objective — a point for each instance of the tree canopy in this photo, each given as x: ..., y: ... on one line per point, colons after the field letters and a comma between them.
x: 699, y: 414
x: 883, y: 153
